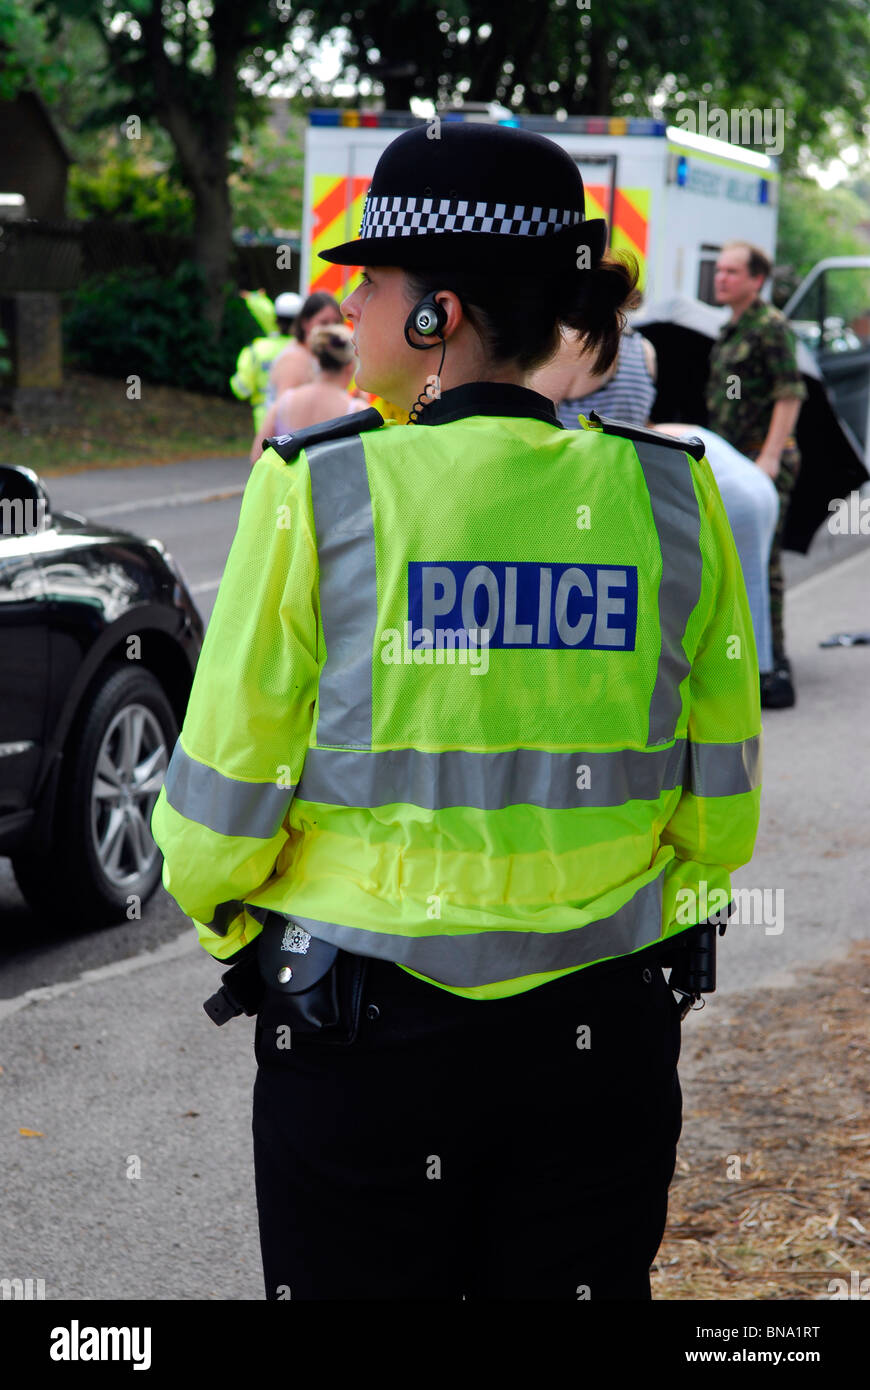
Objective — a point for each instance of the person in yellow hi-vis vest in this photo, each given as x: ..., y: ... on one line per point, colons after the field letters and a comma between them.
x: 250, y: 381
x: 471, y: 752
x: 262, y: 309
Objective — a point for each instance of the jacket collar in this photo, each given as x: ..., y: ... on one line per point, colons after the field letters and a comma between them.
x: 750, y: 313
x: 489, y: 398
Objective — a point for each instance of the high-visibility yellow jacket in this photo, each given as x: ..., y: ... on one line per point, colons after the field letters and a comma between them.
x: 480, y: 698
x: 250, y: 381
x: 262, y: 308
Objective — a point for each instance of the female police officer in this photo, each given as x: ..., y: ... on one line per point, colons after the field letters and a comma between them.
x: 473, y: 740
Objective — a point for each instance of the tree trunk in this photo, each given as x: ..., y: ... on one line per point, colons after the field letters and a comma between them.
x: 201, y: 142
x: 398, y: 92
x: 595, y: 100
x: 490, y: 57
x: 213, y: 245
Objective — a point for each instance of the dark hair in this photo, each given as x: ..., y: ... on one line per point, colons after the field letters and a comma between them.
x: 757, y: 263
x: 519, y: 319
x: 313, y: 305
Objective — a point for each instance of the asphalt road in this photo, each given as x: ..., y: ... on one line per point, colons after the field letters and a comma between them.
x: 105, y: 1050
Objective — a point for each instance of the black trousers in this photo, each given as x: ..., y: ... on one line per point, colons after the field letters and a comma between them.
x: 502, y: 1149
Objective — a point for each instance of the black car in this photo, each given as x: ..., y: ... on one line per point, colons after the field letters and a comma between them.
x: 99, y: 639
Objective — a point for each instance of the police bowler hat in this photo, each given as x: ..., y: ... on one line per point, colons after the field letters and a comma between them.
x: 470, y: 196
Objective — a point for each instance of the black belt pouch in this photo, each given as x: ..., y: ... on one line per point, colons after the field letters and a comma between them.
x: 312, y: 987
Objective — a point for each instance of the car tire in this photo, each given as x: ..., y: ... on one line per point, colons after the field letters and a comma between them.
x: 103, y: 863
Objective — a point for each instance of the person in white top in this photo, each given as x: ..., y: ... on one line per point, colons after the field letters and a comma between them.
x: 324, y: 398
x: 752, y: 504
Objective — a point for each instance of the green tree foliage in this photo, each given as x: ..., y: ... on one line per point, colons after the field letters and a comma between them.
x: 193, y: 68
x: 267, y: 183
x: 126, y: 183
x: 155, y: 326
x: 27, y: 57
x: 815, y: 222
x: 5, y: 363
x: 198, y: 68
x: 600, y: 57
x: 88, y: 91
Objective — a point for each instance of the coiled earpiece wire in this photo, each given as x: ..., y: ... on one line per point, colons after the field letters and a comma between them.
x: 424, y: 398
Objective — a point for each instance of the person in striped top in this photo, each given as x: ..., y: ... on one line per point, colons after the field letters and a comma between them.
x: 625, y: 392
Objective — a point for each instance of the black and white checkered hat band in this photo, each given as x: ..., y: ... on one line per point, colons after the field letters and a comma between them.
x: 395, y: 216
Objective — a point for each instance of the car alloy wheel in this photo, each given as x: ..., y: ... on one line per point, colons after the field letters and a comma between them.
x: 130, y: 768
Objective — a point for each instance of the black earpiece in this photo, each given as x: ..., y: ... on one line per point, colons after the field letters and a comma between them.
x: 429, y: 319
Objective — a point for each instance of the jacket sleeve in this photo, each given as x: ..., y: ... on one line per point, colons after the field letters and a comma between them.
x: 715, y: 822
x: 220, y: 818
x: 242, y: 381
x: 781, y: 361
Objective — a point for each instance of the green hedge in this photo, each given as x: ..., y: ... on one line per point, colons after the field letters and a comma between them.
x: 127, y: 322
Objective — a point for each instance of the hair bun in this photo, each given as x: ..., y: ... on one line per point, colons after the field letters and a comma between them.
x: 600, y: 300
x: 331, y: 344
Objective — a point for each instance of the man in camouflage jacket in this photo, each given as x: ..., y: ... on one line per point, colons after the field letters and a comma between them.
x: 754, y: 396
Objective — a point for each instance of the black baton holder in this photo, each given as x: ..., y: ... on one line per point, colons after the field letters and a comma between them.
x: 693, y: 962
x: 309, y: 984
x: 301, y: 972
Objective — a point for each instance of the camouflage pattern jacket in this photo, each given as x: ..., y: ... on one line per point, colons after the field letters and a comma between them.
x: 752, y: 366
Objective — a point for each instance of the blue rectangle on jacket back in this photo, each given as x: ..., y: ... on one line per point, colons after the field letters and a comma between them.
x: 524, y: 604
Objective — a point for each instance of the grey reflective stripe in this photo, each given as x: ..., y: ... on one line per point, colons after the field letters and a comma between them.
x: 489, y: 781
x: 345, y: 534
x: 224, y: 804
x: 668, y: 477
x: 471, y: 959
x: 726, y: 769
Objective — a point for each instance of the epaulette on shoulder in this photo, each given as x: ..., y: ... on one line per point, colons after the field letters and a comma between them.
x: 290, y: 446
x: 691, y: 444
